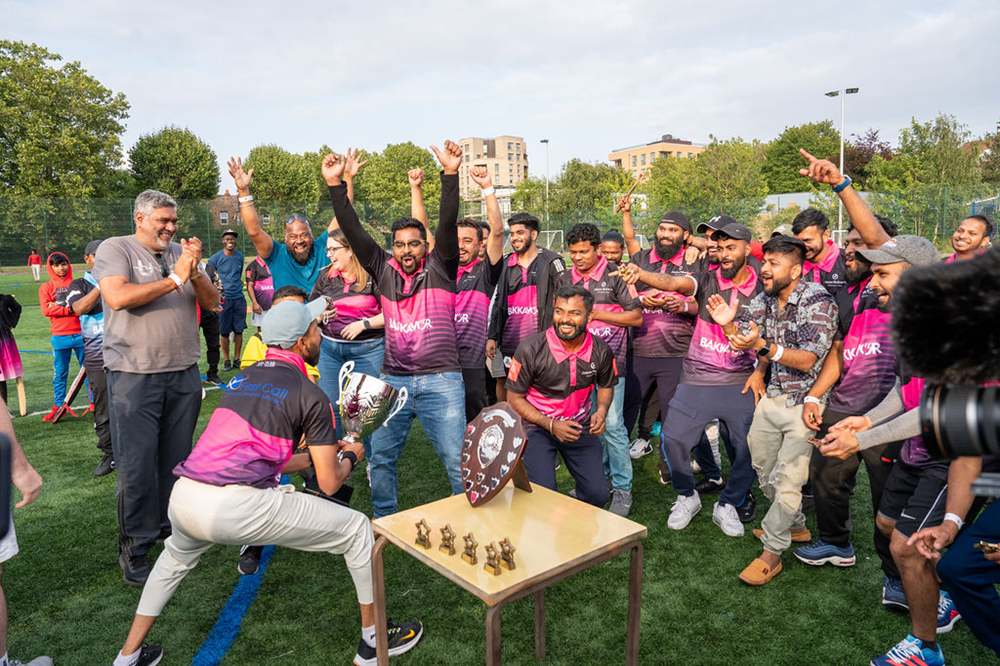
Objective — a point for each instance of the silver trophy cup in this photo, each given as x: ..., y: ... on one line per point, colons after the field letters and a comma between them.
x: 366, y: 403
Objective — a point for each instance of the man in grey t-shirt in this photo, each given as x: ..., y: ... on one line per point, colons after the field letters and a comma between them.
x: 151, y: 349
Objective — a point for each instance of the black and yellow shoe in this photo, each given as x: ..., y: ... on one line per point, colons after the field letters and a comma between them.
x: 402, y: 638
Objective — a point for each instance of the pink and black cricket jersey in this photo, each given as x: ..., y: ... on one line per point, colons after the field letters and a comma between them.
x: 476, y: 283
x: 523, y: 305
x: 263, y: 413
x: 710, y: 361
x: 263, y: 284
x: 352, y: 304
x: 611, y: 294
x: 560, y: 383
x: 419, y: 309
x: 663, y: 334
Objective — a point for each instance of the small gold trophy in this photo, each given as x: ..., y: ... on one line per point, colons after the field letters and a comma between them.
x: 470, y: 549
x: 423, y: 534
x: 507, y: 554
x: 492, y: 559
x: 447, y: 540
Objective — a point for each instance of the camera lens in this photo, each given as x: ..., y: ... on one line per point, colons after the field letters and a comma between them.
x: 960, y: 420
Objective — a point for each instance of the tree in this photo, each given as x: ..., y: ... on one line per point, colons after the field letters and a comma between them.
x: 989, y: 159
x: 59, y: 127
x: 281, y: 176
x: 529, y: 196
x: 382, y: 190
x: 942, y: 156
x: 582, y: 186
x: 783, y: 161
x: 858, y: 154
x: 177, y: 162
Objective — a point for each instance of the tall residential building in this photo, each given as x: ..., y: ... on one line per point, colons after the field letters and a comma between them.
x: 505, y: 156
x: 639, y: 158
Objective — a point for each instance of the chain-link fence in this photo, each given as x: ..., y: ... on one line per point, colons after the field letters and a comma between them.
x: 67, y: 225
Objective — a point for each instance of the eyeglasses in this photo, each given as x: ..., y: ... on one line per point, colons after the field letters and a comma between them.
x: 413, y: 244
x: 330, y: 251
x: 164, y: 269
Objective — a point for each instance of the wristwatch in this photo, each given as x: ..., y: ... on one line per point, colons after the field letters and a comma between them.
x: 766, y: 349
x: 367, y: 324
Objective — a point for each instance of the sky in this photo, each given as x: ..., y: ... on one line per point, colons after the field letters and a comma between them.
x: 589, y: 76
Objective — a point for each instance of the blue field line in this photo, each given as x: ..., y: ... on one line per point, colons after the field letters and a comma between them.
x: 32, y: 351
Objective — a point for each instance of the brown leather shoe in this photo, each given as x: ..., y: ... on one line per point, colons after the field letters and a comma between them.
x: 800, y: 535
x: 759, y: 572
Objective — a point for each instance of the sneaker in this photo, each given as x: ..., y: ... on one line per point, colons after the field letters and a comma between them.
x: 820, y: 552
x: 710, y: 486
x: 135, y: 571
x: 214, y: 379
x: 37, y: 661
x: 621, y: 503
x: 51, y: 414
x: 402, y: 638
x: 640, y: 447
x: 655, y: 429
x: 724, y: 515
x: 893, y: 595
x: 249, y: 560
x: 665, y: 477
x: 910, y: 650
x: 106, y: 466
x: 948, y: 615
x: 748, y: 510
x: 684, y: 509
x: 227, y: 365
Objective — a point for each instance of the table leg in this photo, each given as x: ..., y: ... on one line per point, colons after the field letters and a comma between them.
x: 540, y: 624
x: 634, y: 602
x: 378, y: 585
x: 493, y: 636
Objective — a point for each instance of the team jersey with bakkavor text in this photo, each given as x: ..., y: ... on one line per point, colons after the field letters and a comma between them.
x: 476, y: 283
x: 611, y: 294
x: 663, y: 334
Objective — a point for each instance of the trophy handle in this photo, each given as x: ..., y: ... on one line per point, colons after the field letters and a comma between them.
x: 345, y: 371
x: 400, y: 401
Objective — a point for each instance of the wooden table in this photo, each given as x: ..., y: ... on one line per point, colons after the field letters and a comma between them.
x: 555, y: 537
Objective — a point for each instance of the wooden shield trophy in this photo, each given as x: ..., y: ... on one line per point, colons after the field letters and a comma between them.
x: 491, y: 454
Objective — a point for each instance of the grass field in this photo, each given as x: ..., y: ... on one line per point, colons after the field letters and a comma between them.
x: 67, y: 599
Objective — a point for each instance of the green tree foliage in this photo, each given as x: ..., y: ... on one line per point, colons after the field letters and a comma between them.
x: 941, y: 151
x: 783, y: 160
x: 858, y: 154
x: 59, y: 127
x: 281, y: 175
x: 177, y: 162
x: 582, y: 186
x: 989, y: 160
x: 382, y: 190
x: 529, y: 196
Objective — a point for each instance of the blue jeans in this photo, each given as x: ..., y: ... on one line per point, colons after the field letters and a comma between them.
x: 63, y: 347
x: 614, y: 441
x: 438, y: 400
x: 367, y: 357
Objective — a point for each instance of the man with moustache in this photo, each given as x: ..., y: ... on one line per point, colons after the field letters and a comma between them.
x: 298, y: 260
x: 551, y: 385
x: 718, y: 382
x: 971, y: 238
x: 421, y: 349
x: 791, y: 326
x: 613, y: 246
x: 150, y: 287
x: 477, y: 279
x: 616, y: 311
x: 523, y: 302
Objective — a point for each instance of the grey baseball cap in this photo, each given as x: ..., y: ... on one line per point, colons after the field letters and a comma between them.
x: 915, y: 250
x: 92, y: 247
x: 782, y: 230
x: 288, y: 321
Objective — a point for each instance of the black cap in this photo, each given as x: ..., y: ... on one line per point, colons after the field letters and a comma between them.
x: 678, y: 218
x: 736, y: 231
x: 715, y: 223
x: 229, y: 232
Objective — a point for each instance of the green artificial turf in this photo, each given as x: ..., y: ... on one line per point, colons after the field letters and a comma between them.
x: 67, y: 599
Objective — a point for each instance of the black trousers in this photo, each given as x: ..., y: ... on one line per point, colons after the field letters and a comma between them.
x: 832, y: 480
x: 153, y: 418
x: 475, y: 391
x: 210, y: 329
x: 99, y: 396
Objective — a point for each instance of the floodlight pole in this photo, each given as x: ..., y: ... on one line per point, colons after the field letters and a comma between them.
x: 842, y: 93
x: 546, y: 142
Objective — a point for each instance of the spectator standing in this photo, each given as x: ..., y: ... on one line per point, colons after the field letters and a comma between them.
x: 35, y: 264
x: 228, y: 264
x: 64, y: 325
x: 150, y: 286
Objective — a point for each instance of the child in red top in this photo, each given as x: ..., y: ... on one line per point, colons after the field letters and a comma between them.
x: 64, y: 324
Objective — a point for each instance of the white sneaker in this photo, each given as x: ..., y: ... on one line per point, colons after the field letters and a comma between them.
x: 640, y: 447
x: 683, y: 510
x: 725, y: 516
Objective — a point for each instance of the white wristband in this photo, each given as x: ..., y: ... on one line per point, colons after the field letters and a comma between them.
x: 488, y: 191
x: 813, y: 399
x: 778, y: 353
x: 246, y: 199
x: 177, y: 280
x: 955, y: 519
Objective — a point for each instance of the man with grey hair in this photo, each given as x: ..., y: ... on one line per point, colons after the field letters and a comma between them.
x: 150, y: 286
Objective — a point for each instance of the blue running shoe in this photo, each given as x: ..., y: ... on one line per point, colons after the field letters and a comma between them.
x: 655, y: 429
x: 820, y: 552
x: 910, y: 652
x: 893, y: 595
x: 948, y: 615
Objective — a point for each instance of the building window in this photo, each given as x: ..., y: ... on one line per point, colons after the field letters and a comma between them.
x: 519, y: 157
x: 690, y: 154
x: 223, y: 216
x: 467, y: 158
x: 518, y: 148
x: 652, y: 156
x: 644, y: 159
x: 510, y: 157
x: 496, y: 167
x: 633, y: 160
x: 510, y: 145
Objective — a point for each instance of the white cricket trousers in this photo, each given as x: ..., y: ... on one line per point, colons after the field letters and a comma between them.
x: 203, y: 515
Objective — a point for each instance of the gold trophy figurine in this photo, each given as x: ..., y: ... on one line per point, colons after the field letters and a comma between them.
x: 507, y: 554
x: 492, y: 559
x: 470, y: 549
x: 423, y: 534
x: 447, y: 540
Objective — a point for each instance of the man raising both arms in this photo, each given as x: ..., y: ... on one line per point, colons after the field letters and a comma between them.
x: 418, y: 302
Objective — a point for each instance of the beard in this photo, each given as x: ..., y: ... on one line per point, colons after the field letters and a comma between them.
x: 713, y: 260
x: 886, y: 307
x: 777, y: 285
x: 528, y: 244
x: 861, y: 270
x: 730, y: 273
x: 301, y: 258
x: 666, y: 250
x: 577, y: 332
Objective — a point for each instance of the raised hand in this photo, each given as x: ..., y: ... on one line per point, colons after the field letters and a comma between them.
x: 353, y: 165
x: 481, y: 176
x: 624, y: 204
x: 629, y: 273
x: 450, y: 158
x: 415, y: 177
x: 722, y: 312
x: 821, y: 171
x: 333, y: 168
x: 240, y: 177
